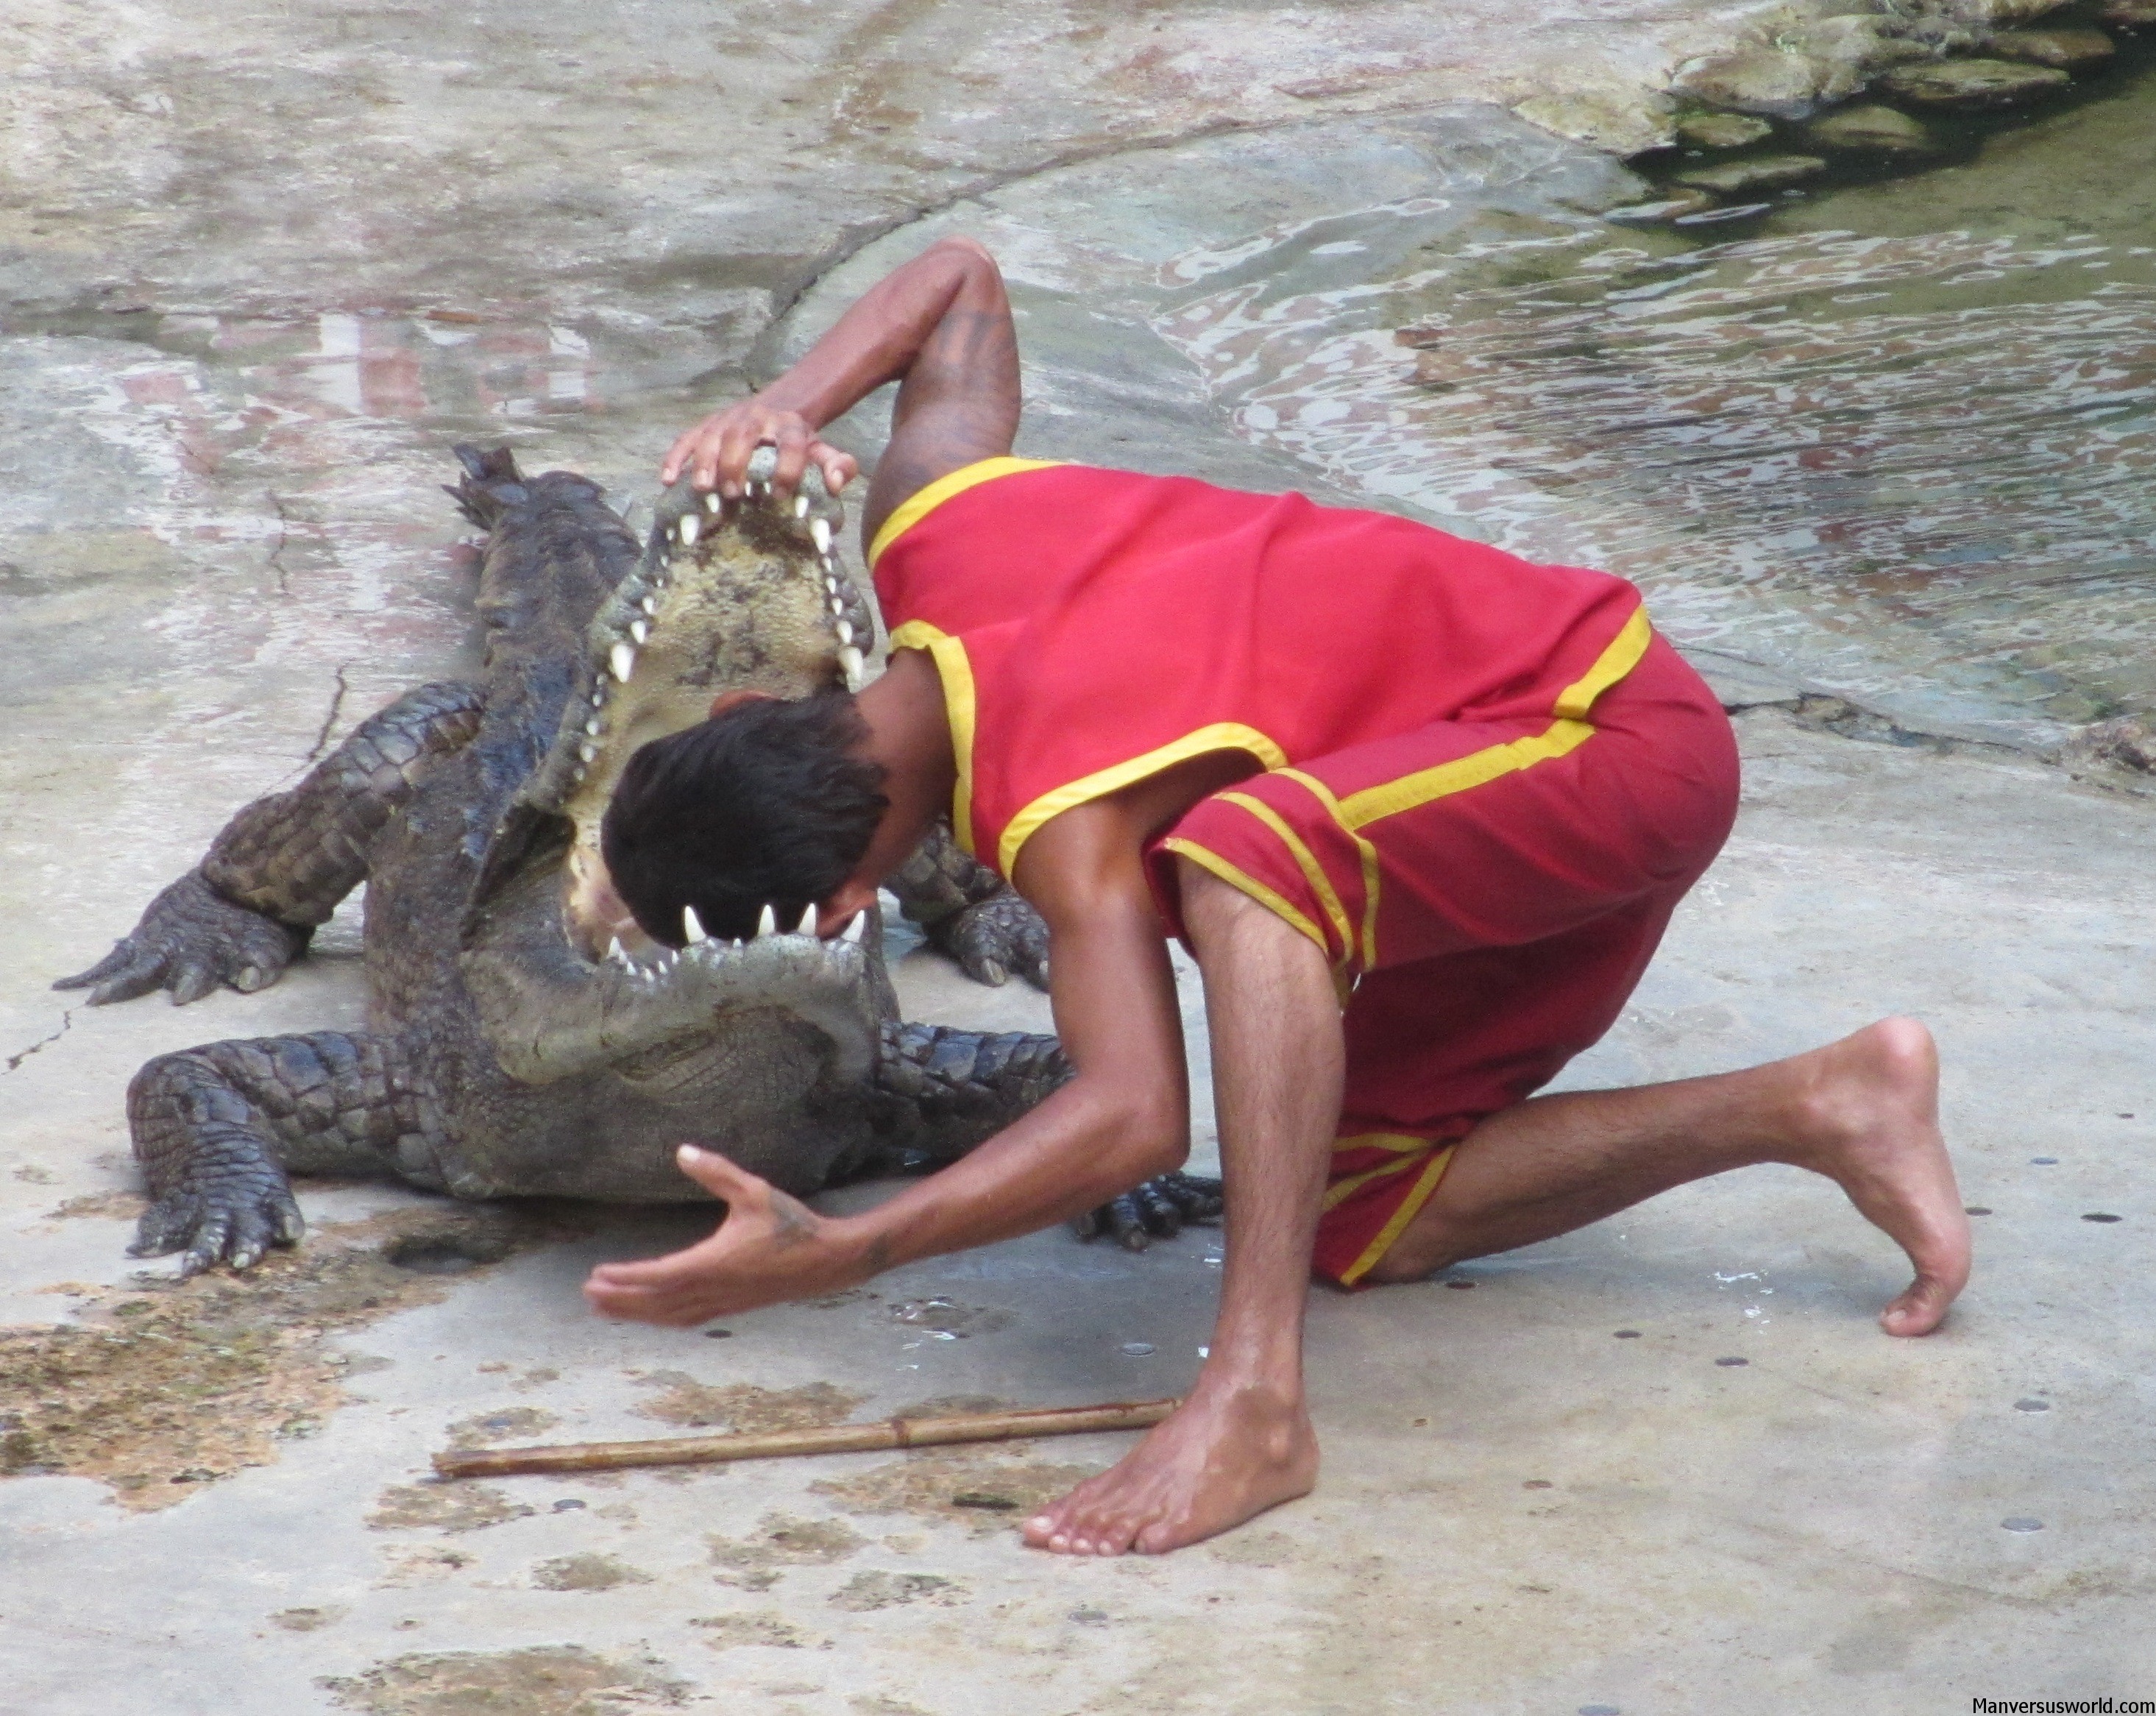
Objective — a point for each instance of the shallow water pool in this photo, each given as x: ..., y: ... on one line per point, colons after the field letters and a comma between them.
x: 1895, y: 439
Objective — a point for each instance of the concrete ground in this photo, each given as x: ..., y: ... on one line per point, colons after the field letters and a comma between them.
x: 263, y: 269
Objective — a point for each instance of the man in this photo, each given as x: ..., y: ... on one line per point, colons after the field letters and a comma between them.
x: 1420, y: 810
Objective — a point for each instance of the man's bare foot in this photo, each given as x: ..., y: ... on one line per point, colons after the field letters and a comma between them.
x: 1227, y: 1454
x: 1871, y: 1115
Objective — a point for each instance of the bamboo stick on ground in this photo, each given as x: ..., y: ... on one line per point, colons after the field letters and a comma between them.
x: 829, y: 1439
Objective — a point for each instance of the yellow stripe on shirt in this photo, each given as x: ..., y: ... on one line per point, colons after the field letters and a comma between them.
x: 929, y: 496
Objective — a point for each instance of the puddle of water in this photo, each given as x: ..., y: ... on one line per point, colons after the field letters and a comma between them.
x: 1895, y: 439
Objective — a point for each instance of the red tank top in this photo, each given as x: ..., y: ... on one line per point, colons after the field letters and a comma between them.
x: 1093, y: 627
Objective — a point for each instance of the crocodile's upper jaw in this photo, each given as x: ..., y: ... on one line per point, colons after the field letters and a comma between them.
x: 745, y: 596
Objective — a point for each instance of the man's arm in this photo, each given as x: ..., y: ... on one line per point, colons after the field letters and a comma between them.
x: 941, y: 327
x: 1124, y: 1117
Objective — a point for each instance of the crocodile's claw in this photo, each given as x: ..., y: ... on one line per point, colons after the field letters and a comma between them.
x: 230, y: 1205
x: 993, y: 937
x: 1154, y: 1209
x: 190, y: 940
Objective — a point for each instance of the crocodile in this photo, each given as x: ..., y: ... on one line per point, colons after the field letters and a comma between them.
x: 519, y: 1041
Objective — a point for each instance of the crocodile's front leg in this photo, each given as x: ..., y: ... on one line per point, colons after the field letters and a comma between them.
x: 970, y: 913
x: 216, y: 1128
x: 280, y: 867
x: 942, y: 1091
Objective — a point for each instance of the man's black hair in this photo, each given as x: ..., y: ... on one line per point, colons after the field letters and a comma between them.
x: 759, y: 805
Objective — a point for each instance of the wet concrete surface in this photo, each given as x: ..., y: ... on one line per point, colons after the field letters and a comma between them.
x: 257, y: 288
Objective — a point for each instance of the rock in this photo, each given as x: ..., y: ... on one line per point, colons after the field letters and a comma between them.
x: 1661, y: 211
x: 2008, y: 12
x: 1755, y: 172
x: 2070, y: 51
x: 2125, y: 741
x: 1716, y: 217
x: 1623, y: 121
x: 1967, y: 85
x: 1758, y: 80
x: 1721, y: 131
x: 1872, y: 129
x: 1848, y: 50
x: 2127, y: 11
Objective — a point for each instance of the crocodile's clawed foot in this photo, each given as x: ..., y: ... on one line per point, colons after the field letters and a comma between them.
x: 1155, y: 1208
x: 190, y: 940
x: 230, y: 1207
x: 993, y: 937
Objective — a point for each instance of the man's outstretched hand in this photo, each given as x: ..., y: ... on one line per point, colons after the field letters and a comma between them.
x: 769, y: 1249
x: 717, y: 452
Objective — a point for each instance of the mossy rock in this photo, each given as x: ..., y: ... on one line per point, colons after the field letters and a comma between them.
x: 1872, y: 129
x: 1660, y: 211
x: 2068, y: 50
x: 1723, y: 131
x: 1758, y: 80
x: 1967, y: 85
x: 1753, y: 172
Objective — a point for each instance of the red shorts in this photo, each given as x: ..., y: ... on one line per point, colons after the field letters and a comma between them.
x: 1488, y: 893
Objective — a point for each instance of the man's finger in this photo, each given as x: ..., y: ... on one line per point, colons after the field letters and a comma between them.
x: 677, y: 455
x: 634, y: 1305
x: 792, y: 437
x: 720, y: 1177
x: 838, y: 468
x: 725, y: 463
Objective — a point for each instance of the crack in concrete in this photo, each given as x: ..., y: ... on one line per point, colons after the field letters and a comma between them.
x: 329, y: 721
x: 277, y: 549
x: 15, y: 1061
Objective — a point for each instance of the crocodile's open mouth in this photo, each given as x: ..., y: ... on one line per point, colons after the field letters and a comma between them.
x: 744, y: 595
x: 741, y: 597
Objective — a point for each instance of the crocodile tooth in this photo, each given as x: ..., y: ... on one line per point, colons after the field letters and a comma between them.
x: 691, y: 925
x: 801, y: 508
x: 615, y: 950
x: 831, y: 584
x: 577, y: 775
x: 820, y: 533
x: 849, y: 662
x: 767, y: 924
x: 845, y: 630
x: 594, y: 726
x: 588, y: 752
x: 623, y: 660
x: 688, y: 528
x: 639, y: 631
x: 856, y: 928
x: 711, y: 501
x: 649, y: 604
x: 807, y: 927
x: 838, y: 607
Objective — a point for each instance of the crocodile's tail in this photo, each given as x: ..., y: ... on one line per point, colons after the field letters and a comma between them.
x: 491, y: 484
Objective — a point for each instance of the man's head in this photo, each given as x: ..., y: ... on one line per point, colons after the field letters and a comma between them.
x: 763, y: 804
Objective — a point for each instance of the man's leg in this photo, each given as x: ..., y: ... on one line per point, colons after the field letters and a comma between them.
x: 1242, y: 1441
x: 1864, y: 1112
